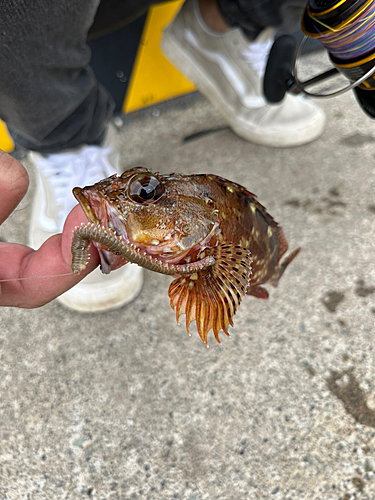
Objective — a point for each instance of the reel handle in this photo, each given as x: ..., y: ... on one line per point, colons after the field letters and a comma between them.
x: 278, y: 78
x: 281, y: 72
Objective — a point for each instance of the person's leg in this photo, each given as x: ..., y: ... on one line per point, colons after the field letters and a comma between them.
x: 252, y: 16
x: 49, y: 97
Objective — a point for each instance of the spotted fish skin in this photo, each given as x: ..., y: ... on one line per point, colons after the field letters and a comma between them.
x: 219, y: 238
x: 244, y: 221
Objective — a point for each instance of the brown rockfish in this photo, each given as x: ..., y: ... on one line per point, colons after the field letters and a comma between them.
x: 210, y: 233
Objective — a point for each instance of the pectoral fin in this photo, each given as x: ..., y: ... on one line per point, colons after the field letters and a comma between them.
x: 211, y: 297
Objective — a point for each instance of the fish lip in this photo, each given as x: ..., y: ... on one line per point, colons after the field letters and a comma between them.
x: 85, y: 205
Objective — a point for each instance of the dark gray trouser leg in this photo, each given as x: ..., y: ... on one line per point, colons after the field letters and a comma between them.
x: 255, y: 15
x: 49, y: 97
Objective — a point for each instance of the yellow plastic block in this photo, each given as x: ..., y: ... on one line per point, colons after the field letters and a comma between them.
x: 154, y: 79
x: 6, y: 143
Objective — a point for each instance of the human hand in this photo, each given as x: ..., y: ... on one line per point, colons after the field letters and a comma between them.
x: 19, y: 261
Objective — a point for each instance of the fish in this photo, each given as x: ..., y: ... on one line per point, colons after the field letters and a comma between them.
x: 212, y: 235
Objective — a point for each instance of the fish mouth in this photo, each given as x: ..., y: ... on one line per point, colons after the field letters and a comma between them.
x: 166, y: 255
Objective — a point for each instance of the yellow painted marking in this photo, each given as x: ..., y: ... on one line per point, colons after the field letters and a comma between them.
x: 194, y: 276
x: 253, y: 207
x: 231, y: 190
x: 269, y: 231
x: 191, y: 284
x: 6, y: 142
x: 154, y: 79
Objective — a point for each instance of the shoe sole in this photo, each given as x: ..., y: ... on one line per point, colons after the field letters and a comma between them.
x: 182, y: 60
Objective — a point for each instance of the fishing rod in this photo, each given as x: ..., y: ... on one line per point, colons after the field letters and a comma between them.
x: 346, y: 29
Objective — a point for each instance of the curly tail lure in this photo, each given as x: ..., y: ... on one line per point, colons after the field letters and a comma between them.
x: 86, y: 233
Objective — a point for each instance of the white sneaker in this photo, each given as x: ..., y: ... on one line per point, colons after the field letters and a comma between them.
x: 57, y: 175
x: 228, y: 70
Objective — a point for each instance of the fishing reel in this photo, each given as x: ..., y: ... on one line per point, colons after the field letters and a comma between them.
x: 346, y: 29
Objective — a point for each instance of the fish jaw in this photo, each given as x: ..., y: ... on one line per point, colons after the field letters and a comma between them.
x: 98, y: 213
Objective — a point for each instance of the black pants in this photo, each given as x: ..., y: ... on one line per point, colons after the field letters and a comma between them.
x: 254, y: 15
x: 49, y: 97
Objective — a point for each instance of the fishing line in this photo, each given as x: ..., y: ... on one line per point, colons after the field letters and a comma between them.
x: 346, y: 29
x: 36, y: 277
x: 352, y: 38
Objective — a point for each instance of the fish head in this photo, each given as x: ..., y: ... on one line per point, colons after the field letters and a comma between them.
x: 158, y: 214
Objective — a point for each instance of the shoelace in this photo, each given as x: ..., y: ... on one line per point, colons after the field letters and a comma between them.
x: 257, y: 55
x: 64, y: 171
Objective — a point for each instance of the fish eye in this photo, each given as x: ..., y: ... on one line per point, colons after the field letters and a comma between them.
x: 145, y: 188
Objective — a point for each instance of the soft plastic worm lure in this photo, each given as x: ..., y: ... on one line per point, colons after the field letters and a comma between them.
x: 86, y: 233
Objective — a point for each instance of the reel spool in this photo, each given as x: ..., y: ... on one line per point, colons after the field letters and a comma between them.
x: 346, y: 28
